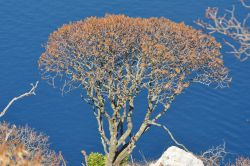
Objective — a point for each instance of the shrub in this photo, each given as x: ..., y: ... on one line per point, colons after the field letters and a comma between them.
x: 96, y: 159
x: 241, y: 161
x: 23, y: 146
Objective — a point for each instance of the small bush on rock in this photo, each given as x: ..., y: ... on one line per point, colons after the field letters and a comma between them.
x: 96, y: 159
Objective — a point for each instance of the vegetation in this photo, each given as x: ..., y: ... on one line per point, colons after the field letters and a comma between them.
x: 241, y: 161
x: 115, y: 58
x: 237, y: 37
x: 96, y: 159
x: 236, y: 29
x: 213, y: 156
x: 23, y: 146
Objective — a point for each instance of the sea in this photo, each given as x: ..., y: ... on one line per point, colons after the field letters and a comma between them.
x: 201, y: 117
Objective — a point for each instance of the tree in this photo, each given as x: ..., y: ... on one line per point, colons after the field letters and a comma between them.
x: 116, y: 57
x: 232, y: 27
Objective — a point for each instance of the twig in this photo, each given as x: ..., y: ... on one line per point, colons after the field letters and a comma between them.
x: 132, y: 160
x: 62, y: 158
x: 85, y: 157
x: 9, y: 132
x: 171, y: 135
x: 244, y: 4
x: 214, y: 156
x: 230, y: 26
x: 143, y: 157
x: 30, y: 93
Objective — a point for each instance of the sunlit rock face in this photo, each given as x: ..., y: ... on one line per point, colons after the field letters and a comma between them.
x: 175, y: 156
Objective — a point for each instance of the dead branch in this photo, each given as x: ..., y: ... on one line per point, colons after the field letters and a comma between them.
x: 170, y: 134
x: 85, y: 157
x: 214, y: 156
x: 29, y: 93
x: 230, y: 26
x: 61, y: 158
x: 244, y: 3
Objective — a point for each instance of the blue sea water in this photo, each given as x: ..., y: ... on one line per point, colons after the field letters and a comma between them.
x: 199, y: 118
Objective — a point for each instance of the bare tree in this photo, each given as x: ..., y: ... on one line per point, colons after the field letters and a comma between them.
x: 115, y: 58
x: 213, y: 156
x: 231, y: 26
x: 23, y: 146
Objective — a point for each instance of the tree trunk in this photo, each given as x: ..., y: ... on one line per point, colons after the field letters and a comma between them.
x: 110, y: 159
x: 113, y: 144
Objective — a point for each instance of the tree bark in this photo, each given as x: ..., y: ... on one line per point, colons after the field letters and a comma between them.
x: 113, y: 143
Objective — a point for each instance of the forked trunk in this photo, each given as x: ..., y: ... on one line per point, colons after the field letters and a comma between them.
x: 116, y: 160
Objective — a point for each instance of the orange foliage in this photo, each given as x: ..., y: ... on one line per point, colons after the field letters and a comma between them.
x: 116, y: 36
x: 122, y: 53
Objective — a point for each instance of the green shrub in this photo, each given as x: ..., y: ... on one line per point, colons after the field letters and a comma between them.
x: 96, y: 159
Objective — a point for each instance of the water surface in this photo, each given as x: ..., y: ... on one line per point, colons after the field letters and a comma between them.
x: 199, y: 118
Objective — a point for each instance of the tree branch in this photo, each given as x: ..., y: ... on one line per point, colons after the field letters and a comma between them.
x: 170, y: 134
x: 214, y: 156
x: 104, y: 139
x: 244, y: 4
x: 229, y: 25
x: 129, y: 123
x: 29, y: 93
x: 85, y: 157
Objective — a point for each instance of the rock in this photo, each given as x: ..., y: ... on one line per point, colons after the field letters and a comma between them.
x: 175, y: 156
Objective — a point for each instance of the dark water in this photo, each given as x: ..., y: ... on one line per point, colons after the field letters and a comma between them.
x: 199, y: 118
